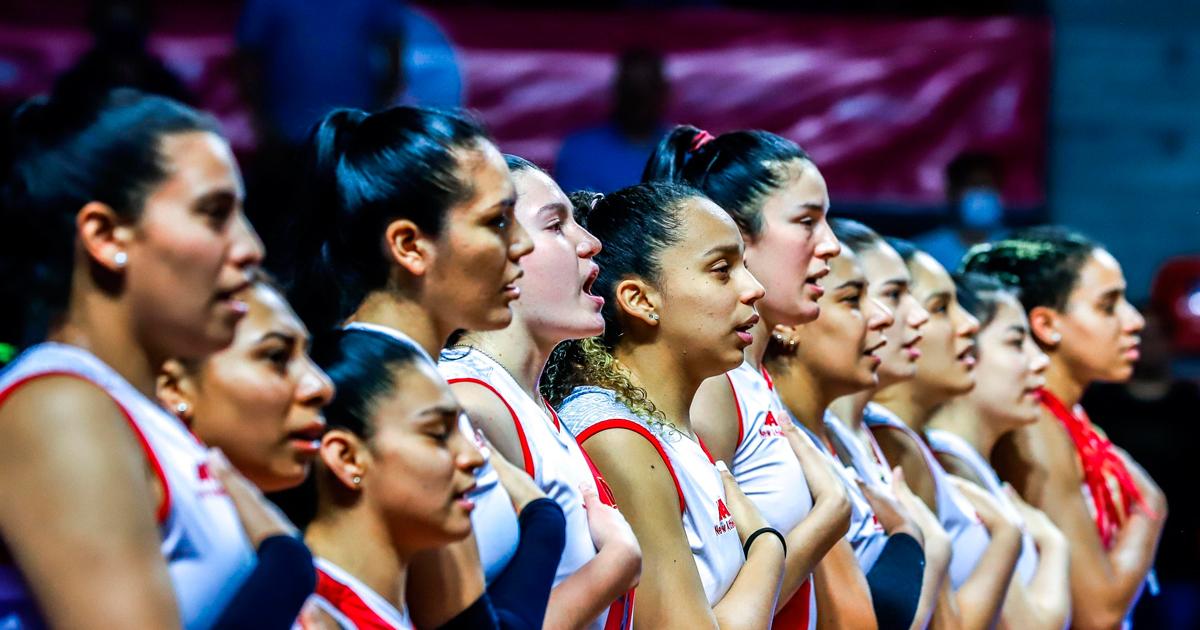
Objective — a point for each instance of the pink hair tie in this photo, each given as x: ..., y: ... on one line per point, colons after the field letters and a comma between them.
x: 700, y: 140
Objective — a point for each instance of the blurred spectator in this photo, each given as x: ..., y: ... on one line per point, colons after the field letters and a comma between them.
x: 612, y: 155
x: 976, y: 212
x: 1154, y: 417
x: 301, y: 58
x: 118, y: 56
x: 431, y: 74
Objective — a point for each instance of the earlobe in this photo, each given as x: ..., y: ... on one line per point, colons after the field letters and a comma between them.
x: 175, y: 389
x: 408, y: 246
x: 1043, y: 323
x: 102, y: 235
x: 343, y: 457
x: 638, y: 300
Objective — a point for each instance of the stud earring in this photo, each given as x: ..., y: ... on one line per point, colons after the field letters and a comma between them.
x: 1055, y: 337
x: 120, y: 258
x: 181, y: 408
x: 356, y: 480
x: 654, y: 317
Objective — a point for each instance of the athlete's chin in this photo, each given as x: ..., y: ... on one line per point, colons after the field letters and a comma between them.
x: 496, y: 318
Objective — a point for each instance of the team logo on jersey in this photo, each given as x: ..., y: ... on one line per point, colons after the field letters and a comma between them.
x: 209, y: 485
x: 770, y: 427
x: 724, y: 519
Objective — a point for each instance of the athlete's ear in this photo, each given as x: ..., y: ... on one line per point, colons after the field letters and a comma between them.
x: 344, y: 456
x: 639, y: 300
x: 409, y: 246
x: 103, y: 235
x: 176, y: 389
x: 1044, y: 323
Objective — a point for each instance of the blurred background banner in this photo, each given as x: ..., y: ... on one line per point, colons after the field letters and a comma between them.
x: 881, y: 104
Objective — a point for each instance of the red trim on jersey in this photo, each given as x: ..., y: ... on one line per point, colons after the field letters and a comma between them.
x: 553, y: 415
x: 347, y: 602
x: 164, y: 506
x: 704, y: 448
x: 796, y: 613
x: 630, y: 425
x: 525, y: 453
x: 767, y: 377
x: 620, y: 613
x: 738, y: 406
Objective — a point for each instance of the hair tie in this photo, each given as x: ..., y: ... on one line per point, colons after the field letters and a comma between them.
x: 700, y: 140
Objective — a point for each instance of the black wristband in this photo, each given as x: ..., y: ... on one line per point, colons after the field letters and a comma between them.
x: 764, y: 530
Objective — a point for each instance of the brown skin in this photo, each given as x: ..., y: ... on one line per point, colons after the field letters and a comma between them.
x: 460, y: 278
x: 1093, y: 338
x: 191, y: 246
x: 555, y: 306
x: 703, y: 293
x: 413, y: 475
x: 260, y: 399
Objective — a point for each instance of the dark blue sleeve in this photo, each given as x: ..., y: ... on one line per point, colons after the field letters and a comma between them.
x: 480, y: 615
x: 272, y: 595
x: 521, y: 592
x: 895, y: 582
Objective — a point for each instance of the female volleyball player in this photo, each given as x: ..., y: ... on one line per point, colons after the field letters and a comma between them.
x: 496, y: 375
x: 817, y: 363
x: 410, y: 232
x: 127, y: 231
x: 778, y: 199
x: 1008, y: 375
x: 984, y: 551
x: 678, y: 308
x: 1073, y: 292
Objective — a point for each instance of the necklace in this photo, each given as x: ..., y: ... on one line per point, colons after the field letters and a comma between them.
x: 468, y: 348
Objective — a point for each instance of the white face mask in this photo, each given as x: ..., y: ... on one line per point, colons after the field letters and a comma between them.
x: 980, y: 208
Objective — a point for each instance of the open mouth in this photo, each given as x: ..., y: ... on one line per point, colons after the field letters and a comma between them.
x: 813, y: 281
x: 229, y: 297
x: 870, y: 352
x: 911, y: 349
x: 743, y: 329
x: 463, y: 499
x: 308, y: 439
x: 589, y: 282
x: 968, y: 356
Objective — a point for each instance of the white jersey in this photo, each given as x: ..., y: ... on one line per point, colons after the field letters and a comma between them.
x: 493, y: 519
x: 352, y: 604
x: 769, y: 473
x: 711, y: 532
x: 865, y: 535
x: 207, y: 553
x: 968, y: 535
x: 550, y: 454
x: 952, y: 444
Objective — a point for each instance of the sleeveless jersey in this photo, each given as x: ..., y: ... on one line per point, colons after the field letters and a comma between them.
x: 352, y: 604
x: 493, y: 519
x: 968, y: 536
x: 951, y: 444
x: 550, y: 455
x: 707, y: 522
x: 207, y: 552
x: 865, y: 535
x: 769, y: 474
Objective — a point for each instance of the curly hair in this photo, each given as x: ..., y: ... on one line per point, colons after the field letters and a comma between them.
x: 1044, y: 263
x: 635, y: 224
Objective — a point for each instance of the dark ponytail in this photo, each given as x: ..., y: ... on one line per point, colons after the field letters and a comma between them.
x: 635, y: 224
x: 365, y: 171
x: 60, y: 156
x: 1043, y: 262
x: 737, y: 170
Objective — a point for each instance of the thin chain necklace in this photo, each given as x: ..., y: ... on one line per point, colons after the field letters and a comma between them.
x: 468, y: 347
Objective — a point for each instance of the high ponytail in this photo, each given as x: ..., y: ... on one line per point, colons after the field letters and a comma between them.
x: 737, y: 170
x: 60, y: 156
x: 364, y: 171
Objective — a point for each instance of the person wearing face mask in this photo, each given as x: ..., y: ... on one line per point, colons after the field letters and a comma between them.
x: 778, y: 198
x: 677, y: 302
x: 984, y: 544
x: 973, y: 183
x: 496, y: 374
x: 1073, y: 292
x: 1009, y: 373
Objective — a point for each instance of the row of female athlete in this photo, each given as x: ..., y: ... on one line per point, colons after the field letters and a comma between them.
x: 467, y: 372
